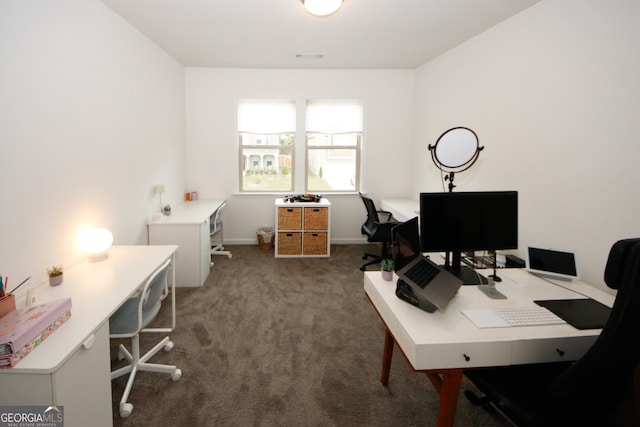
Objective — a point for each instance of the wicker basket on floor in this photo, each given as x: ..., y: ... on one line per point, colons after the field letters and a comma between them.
x: 266, y: 246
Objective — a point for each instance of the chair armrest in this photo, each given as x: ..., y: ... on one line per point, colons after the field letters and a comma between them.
x: 389, y: 214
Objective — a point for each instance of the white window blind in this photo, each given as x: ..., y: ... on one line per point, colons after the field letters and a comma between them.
x: 334, y: 116
x: 266, y: 116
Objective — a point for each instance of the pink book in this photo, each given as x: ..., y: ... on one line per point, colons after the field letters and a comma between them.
x: 23, y: 326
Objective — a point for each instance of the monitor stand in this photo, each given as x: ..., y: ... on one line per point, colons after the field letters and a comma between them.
x: 491, y: 291
x: 468, y: 275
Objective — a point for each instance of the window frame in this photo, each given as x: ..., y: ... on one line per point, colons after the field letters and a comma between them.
x: 300, y: 148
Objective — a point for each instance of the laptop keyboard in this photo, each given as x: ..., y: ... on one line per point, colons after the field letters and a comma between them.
x: 422, y: 273
x: 527, y: 316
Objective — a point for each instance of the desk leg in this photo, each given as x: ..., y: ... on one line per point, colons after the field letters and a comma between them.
x: 447, y: 383
x: 386, y: 357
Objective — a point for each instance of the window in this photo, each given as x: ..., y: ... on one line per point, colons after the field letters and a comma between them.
x: 334, y: 137
x: 266, y: 130
x: 332, y: 145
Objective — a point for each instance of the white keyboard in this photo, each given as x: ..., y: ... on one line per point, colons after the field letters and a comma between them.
x: 512, y: 316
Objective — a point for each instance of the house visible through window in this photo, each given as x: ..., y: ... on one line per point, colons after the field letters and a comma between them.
x: 334, y: 138
x: 331, y: 144
x: 266, y: 130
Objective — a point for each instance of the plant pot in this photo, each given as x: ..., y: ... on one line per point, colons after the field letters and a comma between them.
x: 387, y: 275
x: 56, y: 280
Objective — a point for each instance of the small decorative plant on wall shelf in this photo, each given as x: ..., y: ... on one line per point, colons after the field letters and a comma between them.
x: 167, y: 210
x: 386, y: 266
x: 55, y: 274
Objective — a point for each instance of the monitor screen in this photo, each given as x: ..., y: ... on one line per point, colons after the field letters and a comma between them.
x: 469, y: 221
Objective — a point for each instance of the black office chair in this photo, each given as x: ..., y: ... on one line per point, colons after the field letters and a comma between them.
x: 598, y: 389
x: 376, y: 231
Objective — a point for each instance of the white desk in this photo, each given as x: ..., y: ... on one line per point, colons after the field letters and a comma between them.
x: 71, y: 367
x: 445, y: 342
x: 402, y: 209
x: 187, y: 227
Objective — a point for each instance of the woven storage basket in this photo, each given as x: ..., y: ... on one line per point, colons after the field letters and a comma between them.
x: 316, y: 218
x: 266, y: 246
x: 315, y: 243
x: 289, y: 243
x: 289, y: 218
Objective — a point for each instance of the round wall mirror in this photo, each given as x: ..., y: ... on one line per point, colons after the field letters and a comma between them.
x: 456, y: 150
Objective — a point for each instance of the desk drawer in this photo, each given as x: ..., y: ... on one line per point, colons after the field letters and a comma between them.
x: 463, y: 355
x: 550, y: 350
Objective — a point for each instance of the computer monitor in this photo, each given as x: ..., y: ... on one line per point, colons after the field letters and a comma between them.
x: 468, y: 221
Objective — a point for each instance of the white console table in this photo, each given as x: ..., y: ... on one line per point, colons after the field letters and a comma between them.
x: 187, y: 227
x: 71, y: 368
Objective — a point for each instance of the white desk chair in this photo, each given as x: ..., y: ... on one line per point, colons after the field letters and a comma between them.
x: 215, y: 230
x: 127, y: 322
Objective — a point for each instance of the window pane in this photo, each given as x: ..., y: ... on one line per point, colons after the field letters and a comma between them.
x: 267, y: 162
x: 334, y: 140
x: 266, y: 129
x: 331, y: 169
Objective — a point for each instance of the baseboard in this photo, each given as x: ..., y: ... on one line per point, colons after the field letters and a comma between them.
x: 345, y: 241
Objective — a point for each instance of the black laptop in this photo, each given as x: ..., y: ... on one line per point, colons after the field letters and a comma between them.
x: 429, y: 283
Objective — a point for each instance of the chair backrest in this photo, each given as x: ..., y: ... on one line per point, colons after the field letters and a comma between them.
x: 601, y: 377
x: 372, y: 212
x: 216, y: 224
x: 151, y: 293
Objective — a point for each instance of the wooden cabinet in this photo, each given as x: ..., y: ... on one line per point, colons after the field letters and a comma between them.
x: 302, y: 229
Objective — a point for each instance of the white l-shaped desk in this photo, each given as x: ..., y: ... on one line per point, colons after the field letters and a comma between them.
x: 444, y: 343
x: 402, y: 209
x: 71, y: 368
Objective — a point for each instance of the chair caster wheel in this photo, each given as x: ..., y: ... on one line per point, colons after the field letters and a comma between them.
x: 364, y: 257
x: 168, y: 346
x: 229, y: 256
x: 176, y: 375
x: 125, y: 410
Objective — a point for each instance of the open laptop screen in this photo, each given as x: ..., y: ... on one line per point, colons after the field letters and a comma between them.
x: 405, y: 243
x: 552, y: 263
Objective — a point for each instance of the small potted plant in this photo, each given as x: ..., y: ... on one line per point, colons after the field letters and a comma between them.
x: 386, y: 266
x: 167, y: 210
x: 55, y: 275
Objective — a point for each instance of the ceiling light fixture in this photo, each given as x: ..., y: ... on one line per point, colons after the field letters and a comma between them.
x: 322, y: 8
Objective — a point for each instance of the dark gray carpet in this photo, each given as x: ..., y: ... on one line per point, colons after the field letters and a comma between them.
x: 269, y: 342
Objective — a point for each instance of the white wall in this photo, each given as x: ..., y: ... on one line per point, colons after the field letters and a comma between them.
x: 212, y: 148
x: 91, y: 117
x: 554, y: 96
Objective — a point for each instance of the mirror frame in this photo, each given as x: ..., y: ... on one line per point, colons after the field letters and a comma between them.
x: 451, y: 138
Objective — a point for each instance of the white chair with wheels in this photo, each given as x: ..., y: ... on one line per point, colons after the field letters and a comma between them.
x: 128, y: 321
x: 216, y: 233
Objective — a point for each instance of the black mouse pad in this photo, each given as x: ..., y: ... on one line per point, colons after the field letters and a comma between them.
x: 584, y: 313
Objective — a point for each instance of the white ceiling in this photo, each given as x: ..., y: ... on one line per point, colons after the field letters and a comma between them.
x: 371, y: 34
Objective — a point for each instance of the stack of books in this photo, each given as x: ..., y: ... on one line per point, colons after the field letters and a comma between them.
x: 23, y: 330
